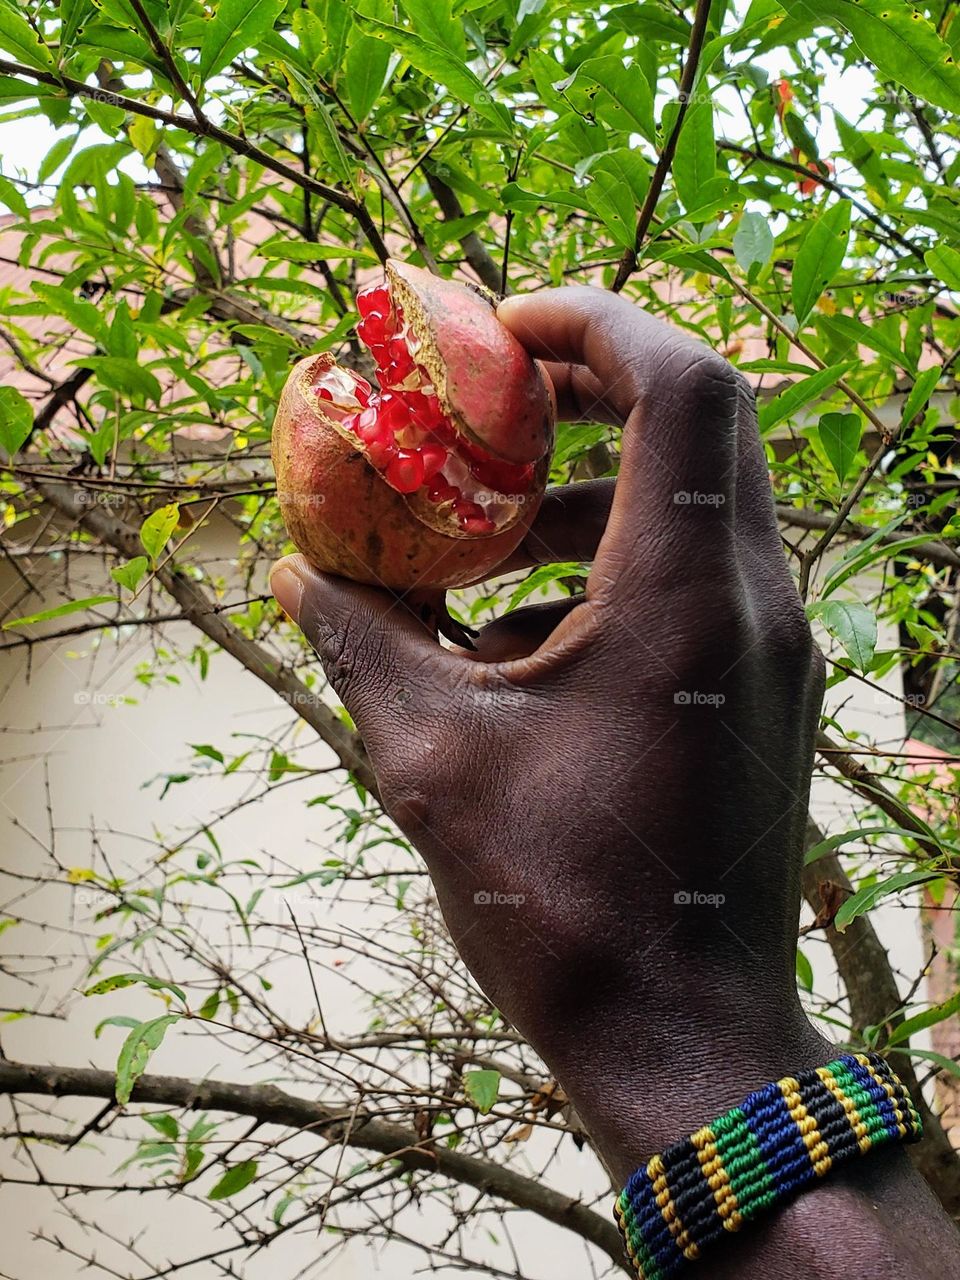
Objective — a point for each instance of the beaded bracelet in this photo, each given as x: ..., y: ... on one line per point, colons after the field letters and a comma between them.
x: 759, y: 1155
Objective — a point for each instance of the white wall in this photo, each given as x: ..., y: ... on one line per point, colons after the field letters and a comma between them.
x: 70, y: 728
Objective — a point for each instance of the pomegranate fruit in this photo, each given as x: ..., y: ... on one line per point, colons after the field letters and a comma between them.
x: 432, y: 478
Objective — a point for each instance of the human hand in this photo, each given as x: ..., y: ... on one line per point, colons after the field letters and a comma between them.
x: 601, y: 762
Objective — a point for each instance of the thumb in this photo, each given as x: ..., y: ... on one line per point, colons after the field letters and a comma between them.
x: 379, y: 657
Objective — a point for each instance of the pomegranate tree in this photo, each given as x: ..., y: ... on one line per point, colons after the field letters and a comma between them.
x: 431, y: 478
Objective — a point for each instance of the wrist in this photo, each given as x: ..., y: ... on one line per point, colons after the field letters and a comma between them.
x: 639, y: 1091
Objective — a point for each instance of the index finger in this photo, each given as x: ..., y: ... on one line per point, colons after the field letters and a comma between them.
x: 674, y: 502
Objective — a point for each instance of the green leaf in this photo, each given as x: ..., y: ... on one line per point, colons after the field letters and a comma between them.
x: 439, y: 65
x: 73, y: 13
x: 55, y: 157
x: 866, y: 898
x: 82, y: 315
x: 129, y: 575
x: 804, y: 971
x: 849, y: 330
x: 144, y: 136
x: 819, y: 257
x: 617, y: 181
x: 16, y: 419
x: 123, y: 375
x: 11, y: 198
x: 210, y: 1006
x: 653, y: 21
x: 695, y: 162
x: 861, y: 154
x: 72, y: 606
x: 115, y: 1020
x: 944, y: 262
x: 920, y: 393
x: 482, y: 1088
x: 854, y: 625
x: 234, y: 1180
x: 627, y: 89
x: 900, y: 40
x: 136, y: 1052
x: 366, y: 70
x: 165, y: 1124
x: 832, y: 843
x: 17, y: 37
x: 117, y: 981
x: 930, y: 1017
x: 543, y: 577
x: 772, y: 412
x: 156, y: 529
x: 434, y: 21
x: 236, y: 26
x: 753, y: 241
x: 333, y: 148
x: 840, y: 437
x: 122, y: 45
x: 930, y: 1055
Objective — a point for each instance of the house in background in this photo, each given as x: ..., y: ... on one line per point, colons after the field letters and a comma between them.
x: 84, y: 727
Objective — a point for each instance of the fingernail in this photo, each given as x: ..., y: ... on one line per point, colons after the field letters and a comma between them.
x: 287, y: 586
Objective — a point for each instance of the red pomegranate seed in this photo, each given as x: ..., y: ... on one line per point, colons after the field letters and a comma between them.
x: 371, y: 330
x: 375, y: 298
x: 381, y: 452
x: 405, y: 471
x: 468, y: 510
x: 400, y: 356
x: 441, y: 490
x: 324, y: 394
x: 426, y: 410
x: 433, y: 457
x: 505, y: 477
x: 476, y: 524
x: 368, y: 425
x: 394, y: 413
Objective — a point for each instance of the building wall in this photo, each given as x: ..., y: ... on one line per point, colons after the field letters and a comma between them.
x: 74, y: 742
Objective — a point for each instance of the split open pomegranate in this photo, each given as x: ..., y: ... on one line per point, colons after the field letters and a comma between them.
x: 431, y: 478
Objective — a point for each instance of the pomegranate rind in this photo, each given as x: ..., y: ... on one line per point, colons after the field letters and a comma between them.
x: 345, y: 518
x: 486, y: 381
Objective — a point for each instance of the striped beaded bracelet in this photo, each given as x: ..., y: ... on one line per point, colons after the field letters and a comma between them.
x: 758, y: 1155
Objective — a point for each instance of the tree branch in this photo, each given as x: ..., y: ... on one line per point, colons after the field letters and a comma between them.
x: 199, y: 609
x: 628, y: 262
x: 270, y: 1105
x: 874, y: 996
x: 870, y: 787
x: 803, y: 518
x: 205, y: 128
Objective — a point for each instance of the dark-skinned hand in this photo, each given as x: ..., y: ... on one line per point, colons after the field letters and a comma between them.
x: 611, y: 794
x: 597, y: 761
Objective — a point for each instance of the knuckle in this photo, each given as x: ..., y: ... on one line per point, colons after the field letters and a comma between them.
x: 708, y: 385
x: 346, y: 652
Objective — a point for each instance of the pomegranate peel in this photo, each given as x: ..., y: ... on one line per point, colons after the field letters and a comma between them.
x: 432, y: 479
